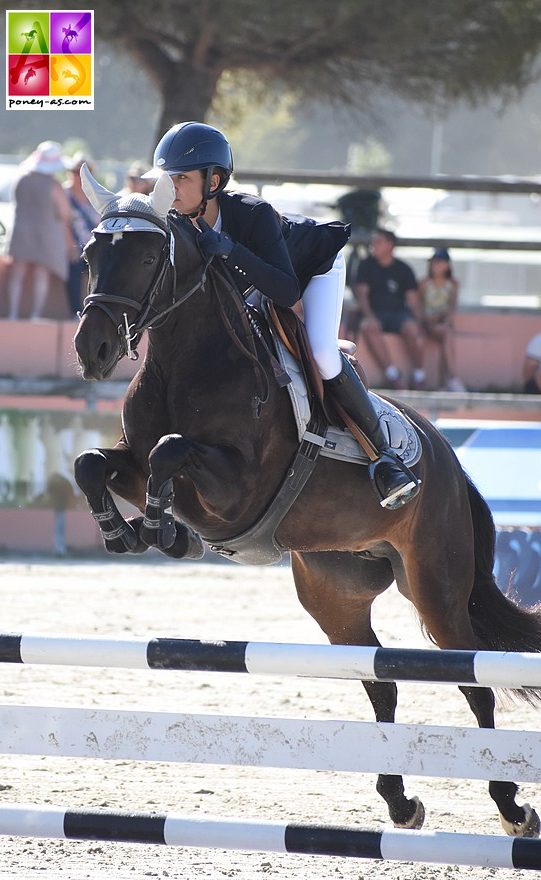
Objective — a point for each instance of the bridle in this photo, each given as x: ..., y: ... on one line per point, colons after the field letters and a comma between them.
x: 130, y: 334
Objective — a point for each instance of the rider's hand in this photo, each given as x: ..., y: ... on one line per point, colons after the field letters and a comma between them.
x: 212, y: 243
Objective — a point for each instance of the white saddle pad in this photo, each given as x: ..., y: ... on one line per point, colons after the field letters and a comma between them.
x: 339, y: 443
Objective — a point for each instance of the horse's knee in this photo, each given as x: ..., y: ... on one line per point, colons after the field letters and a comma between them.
x: 90, y: 469
x: 168, y: 455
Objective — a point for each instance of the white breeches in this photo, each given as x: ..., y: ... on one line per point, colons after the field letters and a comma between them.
x: 322, y: 305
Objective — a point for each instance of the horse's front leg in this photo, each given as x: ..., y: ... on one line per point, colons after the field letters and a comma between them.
x: 213, y: 473
x: 95, y: 469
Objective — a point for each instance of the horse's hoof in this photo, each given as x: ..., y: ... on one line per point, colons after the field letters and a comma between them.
x: 529, y: 827
x: 158, y: 534
x: 196, y: 548
x: 417, y: 819
x: 187, y: 545
x: 124, y: 540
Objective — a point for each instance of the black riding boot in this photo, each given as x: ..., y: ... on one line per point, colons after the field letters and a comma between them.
x: 392, y: 480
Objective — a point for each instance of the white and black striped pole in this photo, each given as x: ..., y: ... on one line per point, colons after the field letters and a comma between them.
x: 487, y: 851
x: 483, y: 668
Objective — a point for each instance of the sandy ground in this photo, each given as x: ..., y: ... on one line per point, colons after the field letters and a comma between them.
x: 160, y: 598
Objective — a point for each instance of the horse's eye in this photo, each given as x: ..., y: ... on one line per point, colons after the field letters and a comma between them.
x: 149, y: 260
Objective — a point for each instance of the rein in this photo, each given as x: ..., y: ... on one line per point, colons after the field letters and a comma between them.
x: 130, y: 334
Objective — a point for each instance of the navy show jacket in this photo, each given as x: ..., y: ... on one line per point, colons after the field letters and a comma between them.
x: 276, y: 254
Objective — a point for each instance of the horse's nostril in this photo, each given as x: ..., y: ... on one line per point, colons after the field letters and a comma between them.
x: 103, y: 352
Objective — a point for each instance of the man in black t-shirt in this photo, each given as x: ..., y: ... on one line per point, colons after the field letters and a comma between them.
x: 386, y: 291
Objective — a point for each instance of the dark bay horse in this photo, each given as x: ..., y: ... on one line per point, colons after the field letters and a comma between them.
x: 209, y: 435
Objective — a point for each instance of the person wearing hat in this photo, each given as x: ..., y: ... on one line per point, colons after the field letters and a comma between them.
x: 83, y: 220
x: 438, y: 300
x: 41, y: 238
x: 531, y: 368
x: 135, y: 181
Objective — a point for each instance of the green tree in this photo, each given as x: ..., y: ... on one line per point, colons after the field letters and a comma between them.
x: 323, y: 50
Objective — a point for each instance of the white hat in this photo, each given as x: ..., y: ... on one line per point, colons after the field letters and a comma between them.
x: 46, y: 158
x: 533, y: 349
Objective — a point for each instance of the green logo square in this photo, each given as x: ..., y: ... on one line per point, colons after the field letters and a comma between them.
x: 28, y: 32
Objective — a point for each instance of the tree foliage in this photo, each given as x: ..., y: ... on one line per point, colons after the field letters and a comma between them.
x: 323, y: 50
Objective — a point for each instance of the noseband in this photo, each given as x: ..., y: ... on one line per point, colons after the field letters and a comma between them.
x: 130, y: 334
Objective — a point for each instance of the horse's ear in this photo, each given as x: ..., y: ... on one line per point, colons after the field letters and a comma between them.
x: 98, y: 196
x: 163, y: 194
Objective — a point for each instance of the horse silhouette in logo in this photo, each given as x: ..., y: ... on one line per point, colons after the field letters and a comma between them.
x: 69, y: 33
x: 31, y: 72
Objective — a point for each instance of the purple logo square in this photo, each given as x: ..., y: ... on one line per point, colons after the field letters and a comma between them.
x: 71, y: 33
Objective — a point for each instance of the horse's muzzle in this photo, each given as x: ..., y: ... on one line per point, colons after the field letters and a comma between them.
x: 97, y: 352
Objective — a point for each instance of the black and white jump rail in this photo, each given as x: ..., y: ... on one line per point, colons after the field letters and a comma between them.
x: 483, y: 668
x: 337, y: 745
x: 171, y: 829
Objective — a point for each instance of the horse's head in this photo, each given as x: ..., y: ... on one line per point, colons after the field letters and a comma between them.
x: 131, y: 272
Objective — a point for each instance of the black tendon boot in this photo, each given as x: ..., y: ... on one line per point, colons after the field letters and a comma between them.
x: 392, y: 480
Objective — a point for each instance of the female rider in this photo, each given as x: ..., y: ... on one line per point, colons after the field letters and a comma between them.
x: 284, y: 258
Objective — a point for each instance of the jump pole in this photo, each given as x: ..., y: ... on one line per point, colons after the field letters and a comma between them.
x: 253, y: 741
x: 172, y: 829
x: 483, y: 668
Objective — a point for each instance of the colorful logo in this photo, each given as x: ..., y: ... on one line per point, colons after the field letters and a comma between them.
x: 49, y: 60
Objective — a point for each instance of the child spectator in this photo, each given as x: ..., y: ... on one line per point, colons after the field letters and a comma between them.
x: 438, y: 294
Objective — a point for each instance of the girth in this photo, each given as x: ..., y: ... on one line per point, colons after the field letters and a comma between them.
x: 258, y: 545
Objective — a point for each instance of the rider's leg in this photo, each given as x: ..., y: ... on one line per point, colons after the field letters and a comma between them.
x: 322, y: 304
x: 322, y: 307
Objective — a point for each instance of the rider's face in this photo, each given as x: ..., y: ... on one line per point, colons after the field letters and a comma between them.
x: 188, y: 191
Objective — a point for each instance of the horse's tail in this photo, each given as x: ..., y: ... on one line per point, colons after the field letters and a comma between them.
x: 498, y: 622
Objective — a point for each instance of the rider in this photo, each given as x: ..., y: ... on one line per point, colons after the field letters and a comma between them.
x: 284, y: 258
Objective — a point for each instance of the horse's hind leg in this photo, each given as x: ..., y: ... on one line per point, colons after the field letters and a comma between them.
x: 440, y: 589
x: 518, y: 821
x: 338, y: 589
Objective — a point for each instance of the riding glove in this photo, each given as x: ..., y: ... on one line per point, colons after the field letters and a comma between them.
x: 212, y: 243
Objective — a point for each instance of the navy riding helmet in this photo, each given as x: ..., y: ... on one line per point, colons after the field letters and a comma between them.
x: 190, y: 146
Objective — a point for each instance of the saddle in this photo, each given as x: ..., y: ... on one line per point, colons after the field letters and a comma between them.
x: 296, y: 369
x: 296, y: 358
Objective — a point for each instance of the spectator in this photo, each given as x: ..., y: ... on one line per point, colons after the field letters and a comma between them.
x: 134, y: 182
x: 531, y: 368
x: 41, y: 238
x: 438, y: 301
x: 386, y: 291
x: 83, y: 220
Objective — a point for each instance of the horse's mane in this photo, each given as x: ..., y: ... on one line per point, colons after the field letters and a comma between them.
x: 184, y: 227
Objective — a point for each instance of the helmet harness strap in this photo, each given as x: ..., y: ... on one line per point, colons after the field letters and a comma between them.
x: 194, y: 215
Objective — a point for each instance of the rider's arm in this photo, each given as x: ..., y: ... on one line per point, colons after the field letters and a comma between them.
x: 264, y: 260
